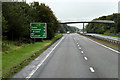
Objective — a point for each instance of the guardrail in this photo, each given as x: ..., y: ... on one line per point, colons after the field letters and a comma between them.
x: 106, y: 39
x: 101, y: 38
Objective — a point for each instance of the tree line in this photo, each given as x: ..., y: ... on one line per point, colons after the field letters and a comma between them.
x: 17, y: 16
x: 105, y: 28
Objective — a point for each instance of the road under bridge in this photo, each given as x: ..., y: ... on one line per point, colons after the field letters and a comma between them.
x: 93, y: 21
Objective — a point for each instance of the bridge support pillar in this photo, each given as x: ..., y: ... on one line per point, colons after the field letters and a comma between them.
x: 83, y: 28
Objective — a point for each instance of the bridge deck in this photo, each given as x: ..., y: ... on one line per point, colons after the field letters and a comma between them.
x: 93, y: 21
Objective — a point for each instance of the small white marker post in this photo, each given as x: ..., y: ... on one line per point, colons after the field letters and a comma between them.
x: 92, y: 70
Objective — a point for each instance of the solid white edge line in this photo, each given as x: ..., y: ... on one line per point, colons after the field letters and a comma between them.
x: 86, y: 58
x: 34, y: 70
x: 92, y: 70
x: 105, y: 46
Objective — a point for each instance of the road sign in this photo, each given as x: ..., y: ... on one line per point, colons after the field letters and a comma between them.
x: 38, y: 30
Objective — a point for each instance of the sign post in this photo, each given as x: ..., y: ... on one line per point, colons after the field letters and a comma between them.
x: 38, y: 30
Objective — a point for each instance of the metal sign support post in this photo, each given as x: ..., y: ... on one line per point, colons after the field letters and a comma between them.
x: 34, y: 40
x: 42, y: 40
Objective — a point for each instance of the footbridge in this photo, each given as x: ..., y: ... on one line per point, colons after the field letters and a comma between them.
x: 93, y: 21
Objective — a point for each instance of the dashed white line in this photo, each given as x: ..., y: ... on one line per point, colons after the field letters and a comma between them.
x: 78, y: 45
x: 34, y: 70
x: 82, y: 52
x: 79, y: 48
x: 86, y: 58
x: 92, y: 70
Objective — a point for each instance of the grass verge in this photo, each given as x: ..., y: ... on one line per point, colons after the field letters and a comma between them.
x: 109, y: 44
x: 108, y: 35
x: 111, y: 35
x: 14, y: 61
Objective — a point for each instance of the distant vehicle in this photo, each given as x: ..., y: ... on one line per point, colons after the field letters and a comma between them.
x: 68, y: 32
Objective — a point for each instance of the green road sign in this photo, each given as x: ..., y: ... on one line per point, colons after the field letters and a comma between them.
x: 38, y: 30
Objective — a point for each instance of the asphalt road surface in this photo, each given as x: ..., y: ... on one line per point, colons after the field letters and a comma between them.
x: 79, y: 57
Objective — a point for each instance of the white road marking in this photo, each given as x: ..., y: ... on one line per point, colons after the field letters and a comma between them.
x: 82, y: 52
x: 34, y: 70
x: 86, y: 58
x: 105, y: 46
x: 77, y: 43
x: 75, y: 39
x: 79, y: 47
x: 92, y: 70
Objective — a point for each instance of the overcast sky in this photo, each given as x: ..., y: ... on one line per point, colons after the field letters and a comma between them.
x: 72, y: 10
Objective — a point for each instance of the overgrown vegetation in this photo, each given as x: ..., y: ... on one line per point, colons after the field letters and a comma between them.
x: 105, y: 28
x: 14, y: 60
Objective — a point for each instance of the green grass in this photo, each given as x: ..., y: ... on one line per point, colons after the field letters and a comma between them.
x: 111, y: 35
x: 15, y: 57
x: 0, y: 65
x: 108, y: 35
x: 0, y: 59
x: 10, y: 46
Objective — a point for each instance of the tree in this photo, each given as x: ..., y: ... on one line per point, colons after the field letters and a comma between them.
x: 19, y: 15
x: 105, y: 28
x: 13, y: 13
x: 4, y: 27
